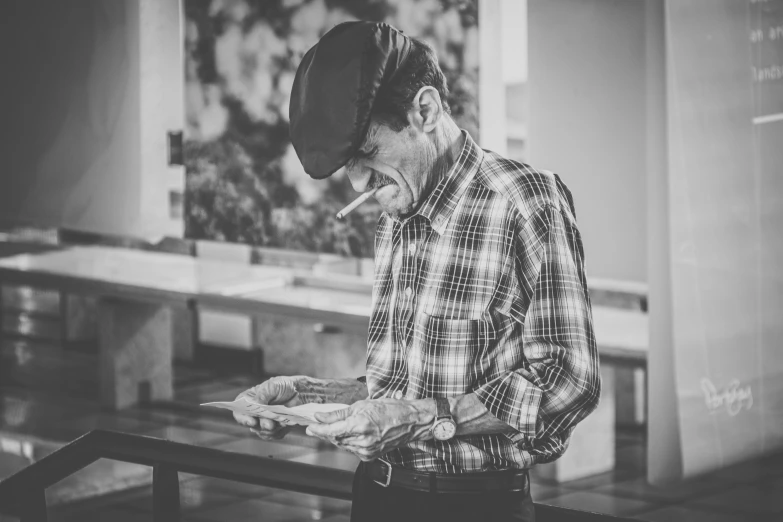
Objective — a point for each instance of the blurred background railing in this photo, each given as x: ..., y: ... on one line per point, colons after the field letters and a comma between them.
x: 23, y: 494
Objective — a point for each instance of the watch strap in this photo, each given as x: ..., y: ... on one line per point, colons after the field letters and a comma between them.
x: 442, y: 409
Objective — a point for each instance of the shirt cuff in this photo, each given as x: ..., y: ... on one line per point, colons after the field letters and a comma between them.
x: 514, y: 400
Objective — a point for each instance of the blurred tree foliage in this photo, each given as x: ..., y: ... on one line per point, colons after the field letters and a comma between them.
x: 226, y: 200
x: 244, y: 181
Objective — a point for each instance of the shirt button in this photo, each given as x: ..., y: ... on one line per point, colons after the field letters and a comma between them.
x: 412, y: 248
x: 398, y: 395
x: 409, y: 291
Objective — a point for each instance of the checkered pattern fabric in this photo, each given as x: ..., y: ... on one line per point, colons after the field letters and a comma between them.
x: 483, y: 291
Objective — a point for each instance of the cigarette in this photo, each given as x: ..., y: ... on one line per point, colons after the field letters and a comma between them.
x: 355, y: 203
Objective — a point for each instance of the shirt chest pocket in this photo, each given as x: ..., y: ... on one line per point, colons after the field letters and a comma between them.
x: 460, y: 282
x: 448, y: 356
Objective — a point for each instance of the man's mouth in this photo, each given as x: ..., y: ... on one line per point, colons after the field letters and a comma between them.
x: 380, y: 180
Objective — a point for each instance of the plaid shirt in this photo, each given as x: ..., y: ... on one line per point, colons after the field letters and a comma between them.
x: 483, y: 291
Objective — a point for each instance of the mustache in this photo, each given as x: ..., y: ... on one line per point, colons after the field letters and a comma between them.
x: 379, y: 180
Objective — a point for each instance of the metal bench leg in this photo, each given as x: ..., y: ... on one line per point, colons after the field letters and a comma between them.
x: 630, y: 382
x: 2, y: 310
x: 165, y: 494
x: 33, y: 506
x: 185, y: 332
x: 78, y: 318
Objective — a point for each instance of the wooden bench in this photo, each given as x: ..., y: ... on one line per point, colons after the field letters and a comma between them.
x: 136, y: 292
x: 614, y: 293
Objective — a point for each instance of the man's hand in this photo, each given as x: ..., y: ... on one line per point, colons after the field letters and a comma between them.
x: 277, y: 390
x: 371, y: 428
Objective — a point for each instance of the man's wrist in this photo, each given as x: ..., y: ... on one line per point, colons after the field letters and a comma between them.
x: 426, y: 411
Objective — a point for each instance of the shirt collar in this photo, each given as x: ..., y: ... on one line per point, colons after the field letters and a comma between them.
x: 441, y: 203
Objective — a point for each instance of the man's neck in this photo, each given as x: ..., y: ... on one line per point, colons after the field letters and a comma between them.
x: 449, y: 146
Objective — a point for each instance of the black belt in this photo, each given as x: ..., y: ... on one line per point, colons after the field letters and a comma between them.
x: 387, y: 475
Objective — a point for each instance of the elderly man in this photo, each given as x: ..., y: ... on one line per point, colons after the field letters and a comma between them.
x: 481, y: 356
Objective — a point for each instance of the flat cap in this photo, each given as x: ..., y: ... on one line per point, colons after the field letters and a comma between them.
x: 335, y: 88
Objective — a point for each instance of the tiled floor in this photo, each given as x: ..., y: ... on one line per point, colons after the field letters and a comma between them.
x: 47, y: 397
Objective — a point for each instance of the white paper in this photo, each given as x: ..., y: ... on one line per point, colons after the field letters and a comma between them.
x: 303, y: 414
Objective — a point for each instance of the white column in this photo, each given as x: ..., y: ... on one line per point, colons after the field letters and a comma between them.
x: 492, y: 90
x: 162, y: 80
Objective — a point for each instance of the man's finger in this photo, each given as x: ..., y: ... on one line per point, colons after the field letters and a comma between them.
x: 361, y: 451
x: 277, y: 390
x: 272, y: 434
x: 336, y: 430
x: 333, y: 416
x: 262, y: 394
x: 267, y: 424
x: 265, y: 414
x: 246, y: 420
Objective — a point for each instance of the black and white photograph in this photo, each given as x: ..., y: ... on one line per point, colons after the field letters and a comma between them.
x: 391, y: 260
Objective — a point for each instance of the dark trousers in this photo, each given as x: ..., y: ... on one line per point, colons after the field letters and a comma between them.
x: 374, y: 503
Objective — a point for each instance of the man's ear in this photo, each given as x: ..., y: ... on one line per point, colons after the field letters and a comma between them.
x: 426, y: 109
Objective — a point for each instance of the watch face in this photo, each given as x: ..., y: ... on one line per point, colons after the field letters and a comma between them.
x: 444, y: 429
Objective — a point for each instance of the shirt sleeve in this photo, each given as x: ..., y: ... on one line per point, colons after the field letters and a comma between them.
x: 557, y: 383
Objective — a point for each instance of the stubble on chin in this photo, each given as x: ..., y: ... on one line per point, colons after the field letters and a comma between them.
x: 392, y: 211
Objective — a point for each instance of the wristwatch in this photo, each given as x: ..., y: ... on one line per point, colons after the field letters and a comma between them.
x: 444, y: 427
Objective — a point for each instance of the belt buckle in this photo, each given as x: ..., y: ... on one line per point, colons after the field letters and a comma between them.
x: 388, y: 475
